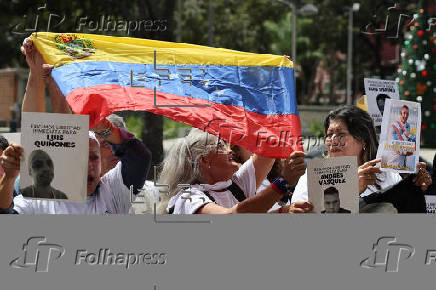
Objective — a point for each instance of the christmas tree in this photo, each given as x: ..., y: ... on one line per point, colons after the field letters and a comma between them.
x: 417, y: 72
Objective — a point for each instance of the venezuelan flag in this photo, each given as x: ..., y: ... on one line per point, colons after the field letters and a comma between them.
x: 245, y: 98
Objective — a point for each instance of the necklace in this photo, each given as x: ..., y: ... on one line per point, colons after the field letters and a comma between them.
x: 33, y: 192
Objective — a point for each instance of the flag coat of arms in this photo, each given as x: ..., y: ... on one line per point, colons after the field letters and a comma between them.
x: 245, y: 98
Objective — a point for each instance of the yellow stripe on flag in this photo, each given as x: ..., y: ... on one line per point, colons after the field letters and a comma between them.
x: 136, y: 50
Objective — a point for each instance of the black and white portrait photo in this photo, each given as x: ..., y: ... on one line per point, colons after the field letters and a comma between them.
x: 41, y: 170
x: 332, y: 202
x: 55, y: 160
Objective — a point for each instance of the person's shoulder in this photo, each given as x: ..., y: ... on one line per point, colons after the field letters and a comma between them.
x: 343, y: 210
x: 114, y: 173
x: 188, y: 202
x: 27, y: 191
x: 60, y: 195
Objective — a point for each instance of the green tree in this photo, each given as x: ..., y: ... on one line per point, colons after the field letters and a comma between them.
x: 417, y: 72
x: 308, y: 54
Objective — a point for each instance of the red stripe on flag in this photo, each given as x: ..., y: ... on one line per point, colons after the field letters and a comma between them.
x: 274, y: 136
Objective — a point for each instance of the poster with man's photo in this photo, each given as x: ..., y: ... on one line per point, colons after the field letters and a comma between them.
x: 333, y: 185
x: 377, y: 92
x: 400, y: 135
x: 55, y: 163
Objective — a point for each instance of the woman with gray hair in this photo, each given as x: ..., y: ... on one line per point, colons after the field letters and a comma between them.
x: 203, y: 178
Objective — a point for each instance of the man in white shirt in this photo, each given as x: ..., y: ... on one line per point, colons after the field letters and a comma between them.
x: 106, y: 195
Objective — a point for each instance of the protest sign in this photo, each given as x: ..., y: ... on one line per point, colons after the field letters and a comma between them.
x: 399, y: 139
x: 333, y: 185
x: 431, y: 203
x: 377, y: 92
x: 55, y: 161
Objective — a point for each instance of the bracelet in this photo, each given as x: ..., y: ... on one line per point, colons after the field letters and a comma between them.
x: 281, y: 185
x: 104, y: 133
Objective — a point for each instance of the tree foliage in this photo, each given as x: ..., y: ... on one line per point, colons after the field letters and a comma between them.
x: 417, y: 72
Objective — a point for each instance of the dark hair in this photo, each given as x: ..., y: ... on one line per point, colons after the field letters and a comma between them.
x: 382, y: 97
x: 360, y: 126
x: 3, y: 142
x: 404, y: 106
x: 331, y: 191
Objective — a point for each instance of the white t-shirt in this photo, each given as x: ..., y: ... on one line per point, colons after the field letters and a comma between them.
x: 386, y: 179
x: 112, y: 198
x: 189, y: 202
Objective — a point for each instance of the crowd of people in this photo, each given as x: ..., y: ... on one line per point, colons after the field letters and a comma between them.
x: 201, y: 174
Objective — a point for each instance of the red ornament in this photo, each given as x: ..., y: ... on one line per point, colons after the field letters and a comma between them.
x: 420, y: 33
x: 416, y: 24
x: 421, y: 11
x: 415, y: 46
x: 423, y: 127
x: 434, y: 108
x: 424, y: 73
x: 421, y: 88
x: 407, y: 93
x: 401, y: 83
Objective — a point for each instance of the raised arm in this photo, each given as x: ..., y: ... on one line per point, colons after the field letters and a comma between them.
x: 39, y: 78
x: 262, y: 166
x: 263, y: 201
x: 134, y: 155
x: 34, y: 98
x: 58, y: 101
x: 259, y: 203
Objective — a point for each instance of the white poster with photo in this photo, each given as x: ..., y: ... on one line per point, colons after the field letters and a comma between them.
x: 431, y: 203
x: 55, y: 164
x: 12, y: 137
x: 333, y: 185
x: 400, y: 135
x: 377, y: 92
